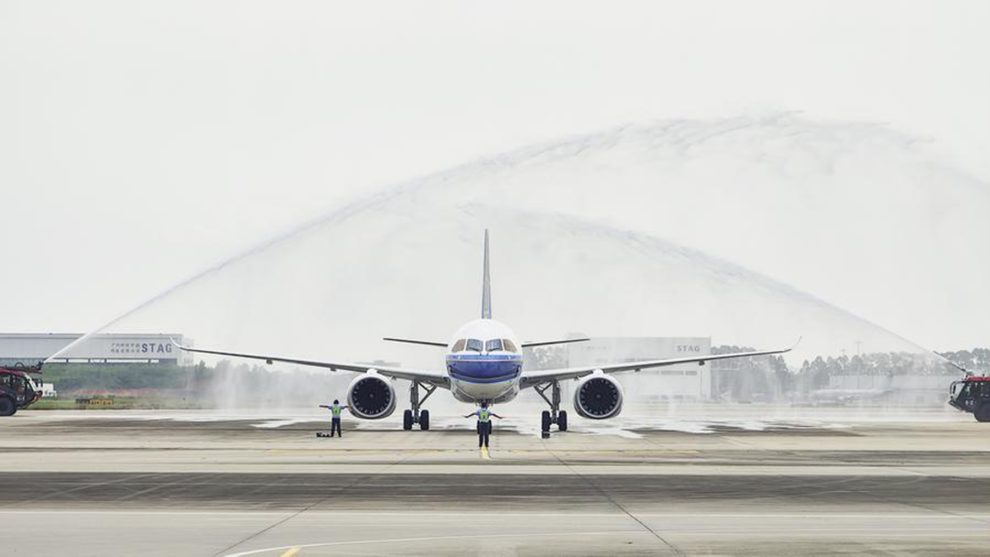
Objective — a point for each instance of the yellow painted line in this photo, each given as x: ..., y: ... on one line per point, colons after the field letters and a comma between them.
x: 484, y: 453
x: 290, y: 552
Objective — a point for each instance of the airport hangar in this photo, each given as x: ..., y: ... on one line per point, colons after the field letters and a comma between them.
x: 683, y: 381
x: 104, y: 348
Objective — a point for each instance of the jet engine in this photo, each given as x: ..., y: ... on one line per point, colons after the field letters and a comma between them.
x: 371, y: 396
x: 598, y: 397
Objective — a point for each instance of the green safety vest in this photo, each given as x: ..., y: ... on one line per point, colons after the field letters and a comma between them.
x: 336, y: 409
x: 484, y: 415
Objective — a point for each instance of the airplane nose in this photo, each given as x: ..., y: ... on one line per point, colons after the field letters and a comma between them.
x: 485, y: 371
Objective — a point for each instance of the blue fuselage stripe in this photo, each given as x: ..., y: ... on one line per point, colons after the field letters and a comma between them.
x: 484, y: 368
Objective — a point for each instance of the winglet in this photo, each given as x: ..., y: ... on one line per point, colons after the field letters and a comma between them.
x: 486, y: 286
x: 789, y: 348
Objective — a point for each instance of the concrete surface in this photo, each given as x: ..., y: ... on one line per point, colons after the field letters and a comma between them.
x: 171, y: 483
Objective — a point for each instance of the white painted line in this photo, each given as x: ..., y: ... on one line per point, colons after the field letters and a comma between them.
x: 433, y: 538
x: 865, y: 532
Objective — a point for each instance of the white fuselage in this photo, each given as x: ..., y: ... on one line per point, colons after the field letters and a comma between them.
x: 484, y: 362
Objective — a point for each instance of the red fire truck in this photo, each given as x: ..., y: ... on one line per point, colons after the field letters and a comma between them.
x: 18, y: 389
x: 972, y: 395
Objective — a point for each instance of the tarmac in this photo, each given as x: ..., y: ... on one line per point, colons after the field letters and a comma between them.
x: 208, y: 483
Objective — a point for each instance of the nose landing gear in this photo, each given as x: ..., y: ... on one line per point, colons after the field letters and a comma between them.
x: 415, y: 415
x: 555, y: 415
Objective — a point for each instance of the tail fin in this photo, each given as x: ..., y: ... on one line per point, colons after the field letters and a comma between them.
x: 486, y: 286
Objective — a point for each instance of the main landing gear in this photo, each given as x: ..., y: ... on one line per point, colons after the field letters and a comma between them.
x: 555, y: 415
x: 415, y: 415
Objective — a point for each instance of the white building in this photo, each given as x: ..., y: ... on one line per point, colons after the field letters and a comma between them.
x: 31, y: 348
x: 686, y: 381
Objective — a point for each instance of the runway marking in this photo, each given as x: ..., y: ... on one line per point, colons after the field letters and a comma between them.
x: 291, y: 552
x: 867, y: 532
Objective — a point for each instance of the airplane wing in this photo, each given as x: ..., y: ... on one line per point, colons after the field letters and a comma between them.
x: 437, y: 378
x: 414, y: 341
x: 547, y: 375
x: 551, y: 342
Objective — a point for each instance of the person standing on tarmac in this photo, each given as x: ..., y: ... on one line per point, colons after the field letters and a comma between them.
x: 484, y: 423
x: 336, y: 409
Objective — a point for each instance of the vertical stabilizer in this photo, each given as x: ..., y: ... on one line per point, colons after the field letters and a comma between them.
x: 486, y: 286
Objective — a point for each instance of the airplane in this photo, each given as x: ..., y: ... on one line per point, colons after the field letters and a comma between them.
x: 484, y: 363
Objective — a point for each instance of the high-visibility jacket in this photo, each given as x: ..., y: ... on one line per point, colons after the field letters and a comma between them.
x: 484, y: 415
x: 336, y: 410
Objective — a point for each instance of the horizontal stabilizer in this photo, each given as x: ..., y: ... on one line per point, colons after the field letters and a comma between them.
x: 412, y: 341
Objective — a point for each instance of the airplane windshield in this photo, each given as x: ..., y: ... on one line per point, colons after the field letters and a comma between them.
x: 509, y: 346
x: 474, y: 345
x: 493, y: 345
x: 459, y: 345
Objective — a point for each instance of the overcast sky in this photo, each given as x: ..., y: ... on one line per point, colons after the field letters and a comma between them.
x: 142, y: 141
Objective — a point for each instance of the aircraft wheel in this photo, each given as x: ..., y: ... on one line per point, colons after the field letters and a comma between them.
x: 407, y: 420
x: 7, y: 406
x: 424, y: 420
x: 545, y: 422
x: 982, y: 413
x: 562, y: 420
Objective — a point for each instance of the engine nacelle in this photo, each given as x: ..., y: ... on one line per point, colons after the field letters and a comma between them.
x: 598, y: 397
x: 371, y: 396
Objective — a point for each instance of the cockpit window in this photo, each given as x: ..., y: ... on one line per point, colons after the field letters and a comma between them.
x: 493, y: 345
x: 459, y: 346
x: 474, y: 345
x: 508, y: 345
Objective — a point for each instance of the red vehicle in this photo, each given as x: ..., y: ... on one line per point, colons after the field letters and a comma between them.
x: 17, y: 388
x: 972, y: 395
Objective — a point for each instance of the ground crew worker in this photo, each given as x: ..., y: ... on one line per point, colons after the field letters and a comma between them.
x: 484, y: 423
x: 336, y: 409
